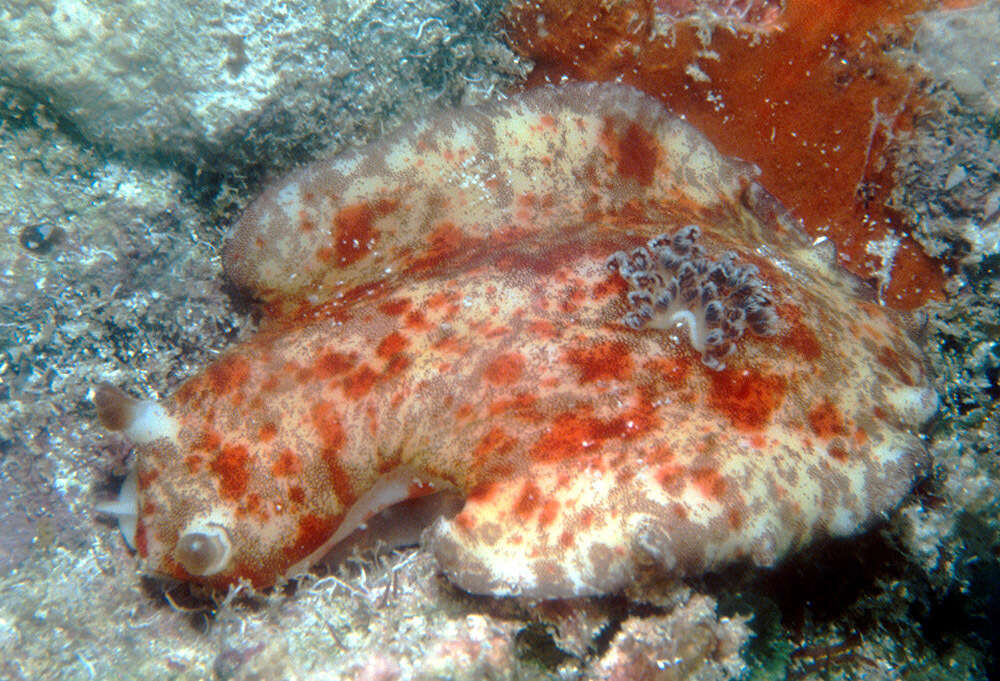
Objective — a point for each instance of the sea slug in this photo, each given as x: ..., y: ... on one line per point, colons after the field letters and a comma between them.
x: 568, y: 307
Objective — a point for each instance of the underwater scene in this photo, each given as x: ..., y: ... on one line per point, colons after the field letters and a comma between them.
x: 582, y: 340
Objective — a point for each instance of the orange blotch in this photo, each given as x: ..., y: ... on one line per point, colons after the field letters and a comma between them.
x: 312, y: 532
x: 340, y: 480
x: 606, y: 361
x: 395, y: 307
x: 297, y: 494
x: 505, y: 369
x: 819, y: 95
x: 452, y: 344
x: 392, y: 344
x: 271, y: 383
x: 529, y: 499
x: 232, y: 468
x: 141, y: 539
x: 570, y: 435
x: 482, y: 491
x: 207, y: 441
x: 566, y: 539
x: 522, y: 405
x: 612, y: 286
x: 440, y: 299
x: 252, y: 507
x: 354, y: 232
x: 543, y: 328
x: 417, y: 321
x: 228, y: 374
x: 331, y: 364
x: 145, y: 478
x: 746, y: 397
x: 331, y: 432
x: 825, y: 420
x: 635, y: 152
x: 267, y: 432
x: 326, y: 421
x: 494, y: 443
x: 359, y: 383
x: 860, y: 437
x: 397, y: 365
x: 708, y: 482
x: 799, y: 337
x: 286, y: 464
x: 891, y: 360
x: 837, y: 452
x: 550, y: 511
x: 443, y: 244
x: 670, y: 476
x: 672, y: 370
x: 734, y: 518
x: 193, y: 463
x: 465, y: 522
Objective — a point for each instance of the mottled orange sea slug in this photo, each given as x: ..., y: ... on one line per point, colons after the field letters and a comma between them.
x: 567, y: 306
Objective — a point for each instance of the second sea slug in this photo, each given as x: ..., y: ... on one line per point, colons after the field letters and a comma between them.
x: 569, y: 308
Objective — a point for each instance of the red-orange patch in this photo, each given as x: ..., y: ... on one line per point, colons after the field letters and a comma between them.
x: 228, y: 374
x: 392, y: 344
x: 443, y: 244
x: 417, y: 321
x: 331, y: 364
x: 494, y: 443
x: 395, y: 307
x: 286, y: 464
x: 267, y: 432
x: 312, y: 532
x: 354, y: 231
x: 359, y: 383
x: 208, y: 441
x: 825, y: 420
x: 891, y: 360
x: 232, y: 467
x: 528, y: 500
x: 505, y: 369
x: 635, y: 152
x: 326, y: 421
x: 340, y: 480
x: 746, y: 397
x: 550, y: 511
x: 522, y: 405
x: 708, y: 482
x: 837, y: 452
x: 606, y: 361
x: 799, y: 337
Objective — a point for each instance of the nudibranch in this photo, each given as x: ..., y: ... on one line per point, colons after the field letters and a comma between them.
x: 566, y: 307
